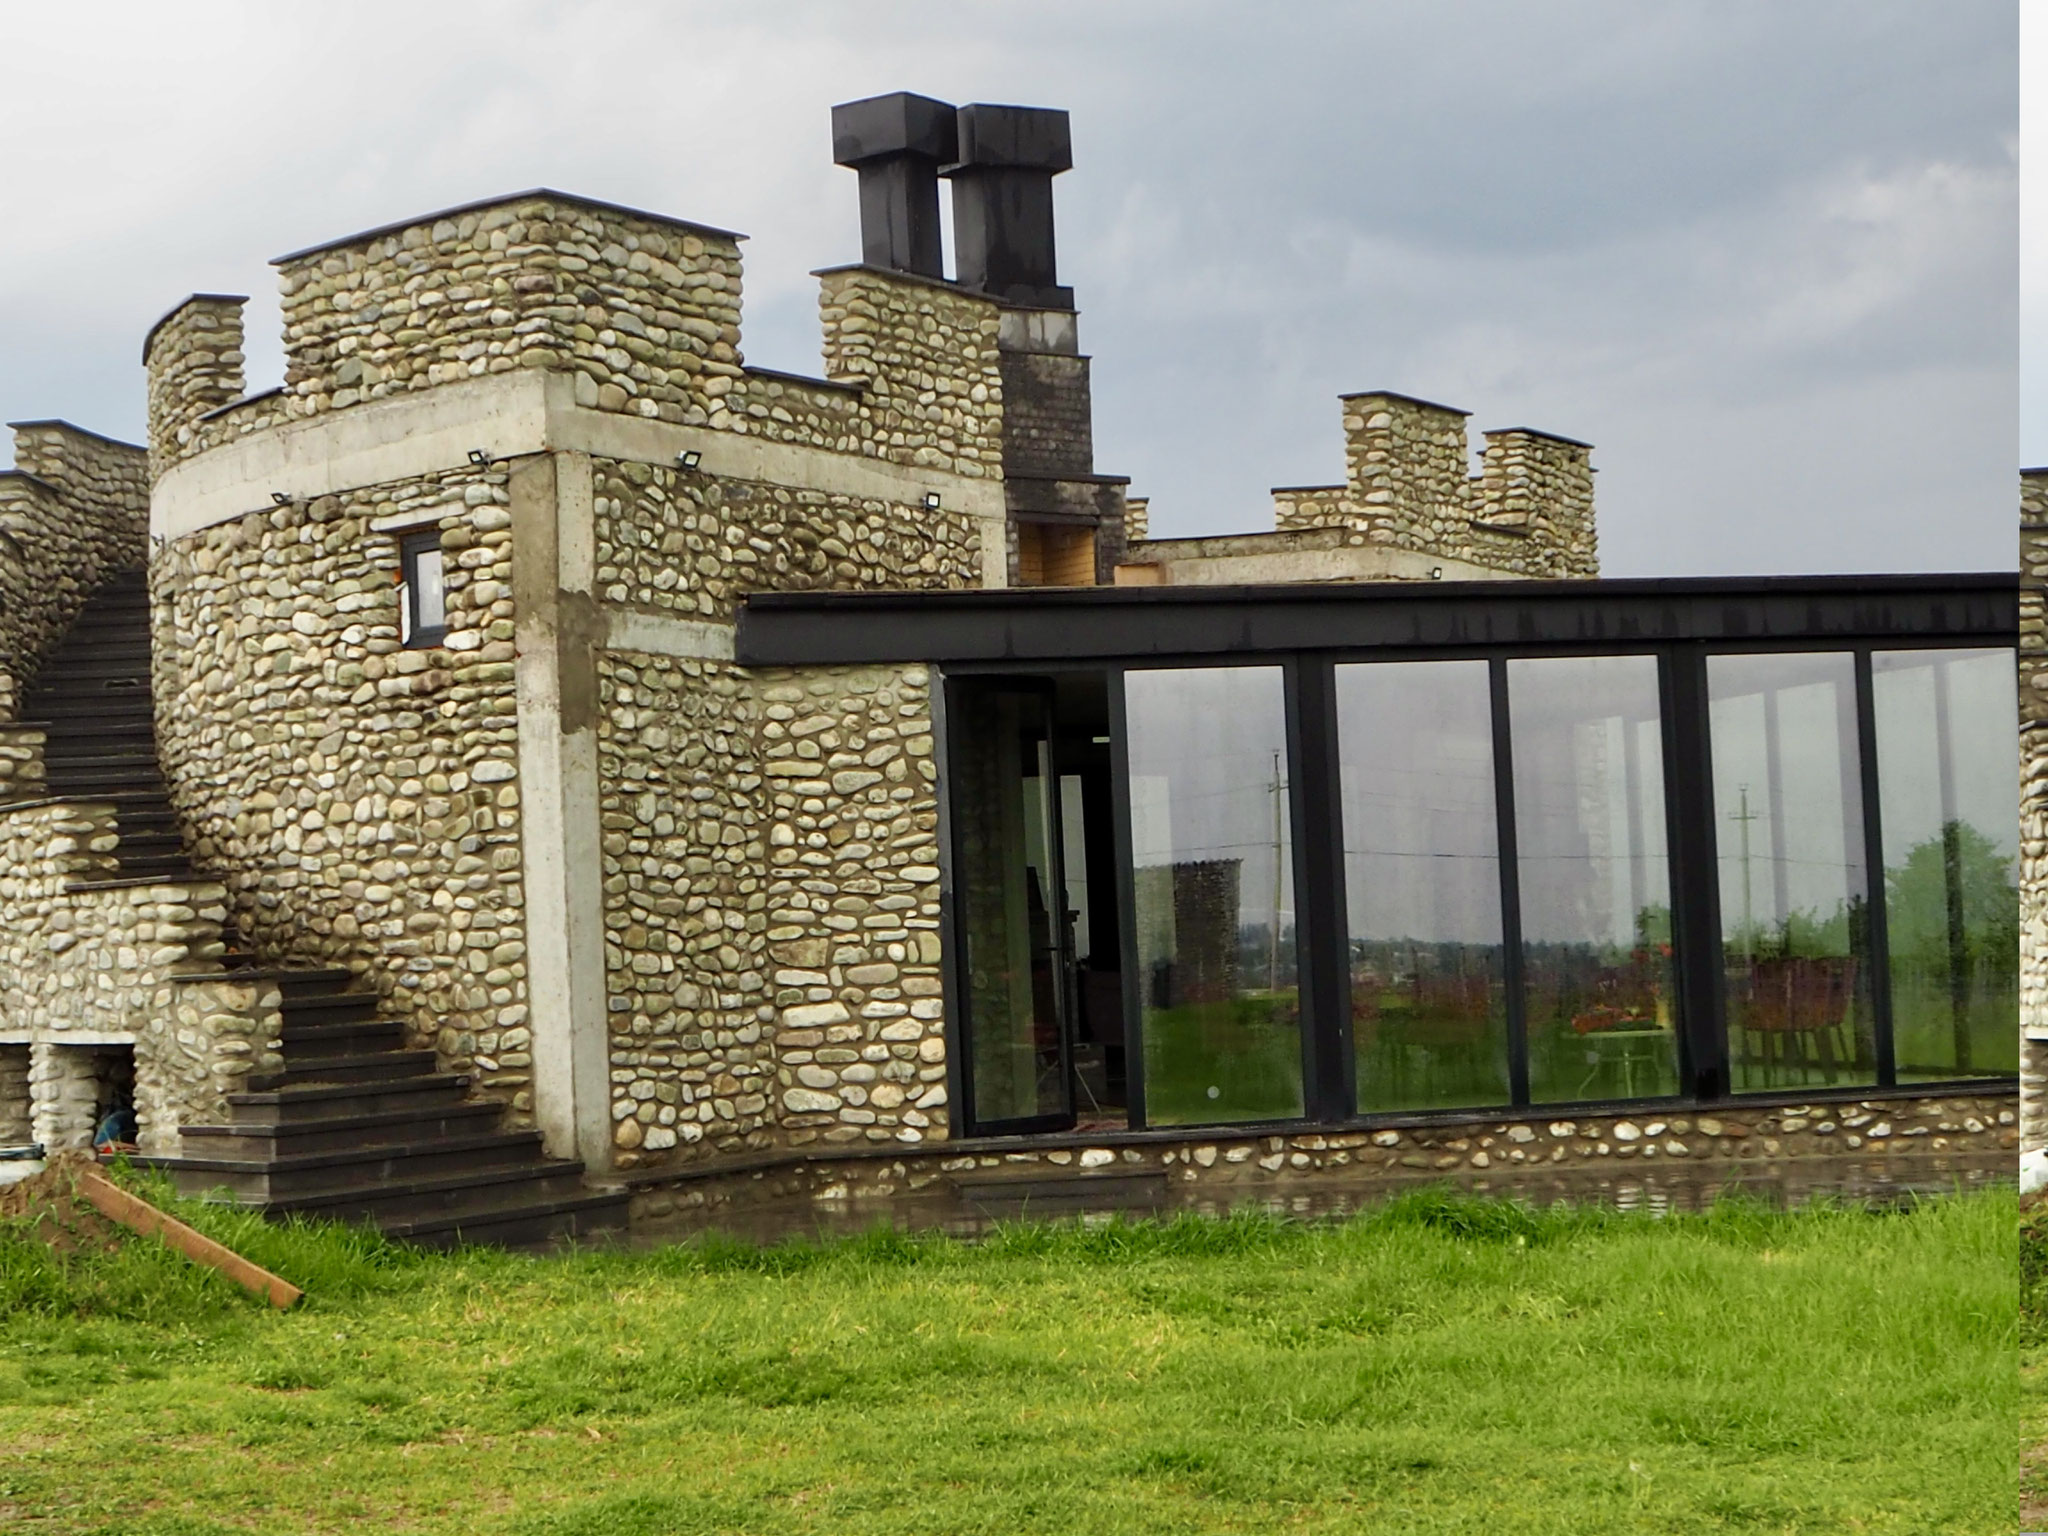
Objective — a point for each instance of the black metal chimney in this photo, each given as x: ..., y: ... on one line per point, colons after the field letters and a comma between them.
x: 1002, y: 202
x: 897, y: 143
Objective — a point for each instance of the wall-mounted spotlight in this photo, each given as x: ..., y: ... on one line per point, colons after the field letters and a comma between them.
x: 280, y: 498
x: 689, y: 458
x: 931, y: 501
x: 1436, y: 573
x: 479, y: 458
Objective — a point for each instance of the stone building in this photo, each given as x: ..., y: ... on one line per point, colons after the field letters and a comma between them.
x: 533, y: 764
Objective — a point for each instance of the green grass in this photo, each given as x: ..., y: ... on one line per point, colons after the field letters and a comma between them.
x: 1439, y: 1365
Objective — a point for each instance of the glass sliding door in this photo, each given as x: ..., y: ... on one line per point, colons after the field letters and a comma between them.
x: 1422, y: 884
x: 1013, y: 910
x: 1213, y: 888
x: 1794, y: 885
x: 1947, y: 765
x: 1594, y: 877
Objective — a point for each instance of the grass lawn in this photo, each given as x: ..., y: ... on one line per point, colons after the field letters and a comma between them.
x: 1440, y: 1365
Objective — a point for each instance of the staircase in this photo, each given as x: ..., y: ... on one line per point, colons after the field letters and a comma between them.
x: 354, y: 1127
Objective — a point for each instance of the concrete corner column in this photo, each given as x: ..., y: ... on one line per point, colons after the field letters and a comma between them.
x: 554, y: 572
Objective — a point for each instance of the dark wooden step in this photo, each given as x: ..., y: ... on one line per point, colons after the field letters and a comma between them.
x: 281, y: 1140
x: 578, y: 1218
x: 525, y: 1186
x: 304, y: 1041
x: 363, y: 1067
x: 375, y: 1097
x: 357, y: 1168
x: 308, y: 1009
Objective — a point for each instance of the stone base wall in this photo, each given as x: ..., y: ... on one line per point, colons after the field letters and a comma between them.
x: 86, y: 971
x: 2033, y: 1095
x: 359, y: 800
x: 21, y: 762
x: 2033, y: 681
x: 1820, y: 1145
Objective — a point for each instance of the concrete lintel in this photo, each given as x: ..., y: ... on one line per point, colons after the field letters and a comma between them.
x: 661, y: 634
x: 510, y: 415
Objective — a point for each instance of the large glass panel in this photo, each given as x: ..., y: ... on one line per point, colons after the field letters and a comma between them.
x: 1422, y: 884
x: 1213, y: 879
x: 1003, y: 799
x: 1594, y: 876
x: 1948, y: 798
x: 1788, y: 826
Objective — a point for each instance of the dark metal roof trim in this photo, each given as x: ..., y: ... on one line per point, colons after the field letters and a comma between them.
x: 1109, y: 623
x: 495, y: 202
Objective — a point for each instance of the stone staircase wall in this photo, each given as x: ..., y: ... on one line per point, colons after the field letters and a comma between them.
x: 97, y: 967
x: 73, y: 510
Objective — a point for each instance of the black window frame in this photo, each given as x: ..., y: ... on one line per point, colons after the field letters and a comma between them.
x: 413, y: 635
x: 1309, y: 632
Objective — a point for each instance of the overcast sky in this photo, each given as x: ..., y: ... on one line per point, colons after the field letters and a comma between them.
x: 1763, y: 255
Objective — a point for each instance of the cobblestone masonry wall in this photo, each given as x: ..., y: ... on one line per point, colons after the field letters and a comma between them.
x: 74, y: 511
x: 1579, y: 1152
x: 21, y: 762
x: 358, y: 799
x: 194, y: 360
x: 677, y: 542
x: 771, y: 907
x: 1529, y: 510
x: 80, y: 969
x: 645, y: 312
x: 2033, y: 663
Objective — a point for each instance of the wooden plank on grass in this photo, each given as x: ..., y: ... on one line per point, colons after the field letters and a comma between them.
x: 141, y: 1216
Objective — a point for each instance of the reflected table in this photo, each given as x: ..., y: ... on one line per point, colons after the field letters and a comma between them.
x: 1628, y: 1054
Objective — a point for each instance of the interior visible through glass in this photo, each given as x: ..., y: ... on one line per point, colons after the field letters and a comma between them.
x: 1788, y: 827
x: 1594, y: 877
x: 1213, y: 885
x: 1422, y: 884
x: 1947, y: 730
x: 1012, y: 920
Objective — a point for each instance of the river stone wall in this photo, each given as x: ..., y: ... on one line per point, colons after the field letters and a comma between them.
x: 771, y: 890
x: 1408, y: 484
x: 359, y: 800
x: 675, y: 542
x: 2033, y: 662
x: 73, y: 511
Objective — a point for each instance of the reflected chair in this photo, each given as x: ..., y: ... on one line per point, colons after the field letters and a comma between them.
x: 1794, y: 1017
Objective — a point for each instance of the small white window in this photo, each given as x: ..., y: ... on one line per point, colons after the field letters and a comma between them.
x: 423, y: 592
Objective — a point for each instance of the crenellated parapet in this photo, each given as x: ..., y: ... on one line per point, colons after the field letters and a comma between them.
x: 1408, y: 485
x: 193, y: 357
x: 74, y: 510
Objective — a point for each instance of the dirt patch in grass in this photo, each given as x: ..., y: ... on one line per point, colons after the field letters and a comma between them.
x: 48, y: 1208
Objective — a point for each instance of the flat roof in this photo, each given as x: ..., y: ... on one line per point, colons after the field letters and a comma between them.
x: 495, y: 202
x: 1043, y: 624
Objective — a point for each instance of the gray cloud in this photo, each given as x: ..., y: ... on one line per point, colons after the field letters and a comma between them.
x: 1763, y: 256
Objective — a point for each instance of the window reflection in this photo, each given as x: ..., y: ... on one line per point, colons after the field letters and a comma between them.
x: 1213, y: 883
x: 1422, y: 884
x: 1007, y: 884
x: 1788, y: 826
x: 1947, y: 755
x: 1594, y: 877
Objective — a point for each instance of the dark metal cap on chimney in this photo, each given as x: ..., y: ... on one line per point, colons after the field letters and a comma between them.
x: 897, y: 143
x: 1002, y: 202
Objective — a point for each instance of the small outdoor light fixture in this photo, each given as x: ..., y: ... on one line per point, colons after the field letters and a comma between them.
x: 479, y: 458
x: 1436, y: 573
x: 689, y: 458
x: 931, y: 501
x: 280, y: 498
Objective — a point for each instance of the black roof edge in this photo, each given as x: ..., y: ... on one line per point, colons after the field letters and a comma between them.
x: 1555, y: 437
x: 69, y: 426
x: 850, y: 386
x: 492, y: 202
x: 909, y: 277
x: 162, y: 319
x: 1570, y: 589
x: 1395, y: 394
